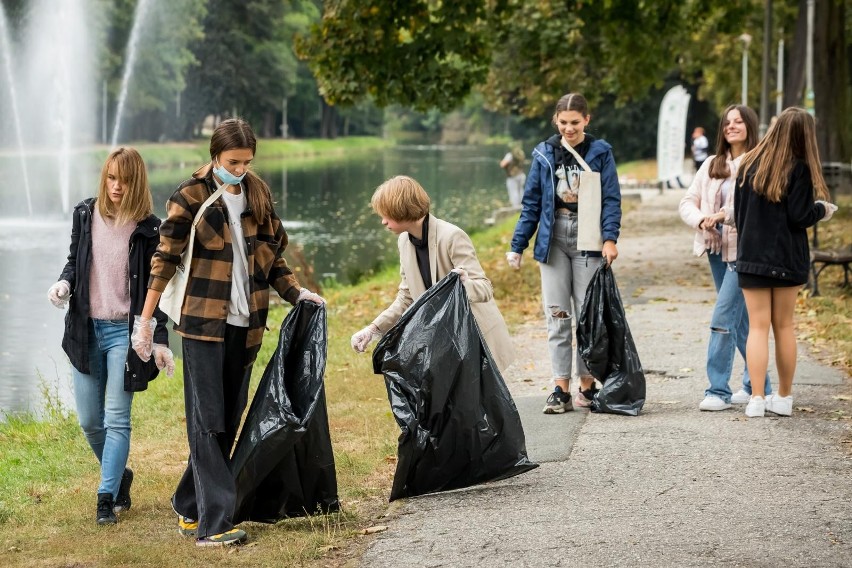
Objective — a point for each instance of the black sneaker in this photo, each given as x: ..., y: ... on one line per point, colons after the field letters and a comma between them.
x: 122, y: 500
x: 105, y: 514
x: 558, y: 402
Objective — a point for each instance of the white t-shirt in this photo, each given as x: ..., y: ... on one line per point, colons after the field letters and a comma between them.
x: 238, y: 307
x: 700, y: 148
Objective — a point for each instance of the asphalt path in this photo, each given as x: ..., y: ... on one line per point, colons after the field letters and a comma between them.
x: 671, y: 487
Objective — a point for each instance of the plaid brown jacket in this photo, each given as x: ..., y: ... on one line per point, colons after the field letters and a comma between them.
x: 205, y: 306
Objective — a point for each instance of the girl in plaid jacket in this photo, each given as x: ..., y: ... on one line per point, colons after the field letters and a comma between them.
x: 237, y: 255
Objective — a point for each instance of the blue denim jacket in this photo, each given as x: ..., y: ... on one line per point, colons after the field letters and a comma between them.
x: 537, y: 205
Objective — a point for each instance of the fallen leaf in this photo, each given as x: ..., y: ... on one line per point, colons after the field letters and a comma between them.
x: 375, y: 529
x: 804, y: 409
x: 842, y: 397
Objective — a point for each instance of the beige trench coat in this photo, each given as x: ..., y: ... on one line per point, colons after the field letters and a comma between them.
x: 450, y: 247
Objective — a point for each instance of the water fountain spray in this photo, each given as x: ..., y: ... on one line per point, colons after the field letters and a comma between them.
x: 138, y: 21
x: 5, y: 44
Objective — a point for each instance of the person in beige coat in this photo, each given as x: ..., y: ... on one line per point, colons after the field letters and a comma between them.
x: 429, y: 249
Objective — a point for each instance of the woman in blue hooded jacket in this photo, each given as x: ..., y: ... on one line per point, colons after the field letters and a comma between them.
x: 553, y: 205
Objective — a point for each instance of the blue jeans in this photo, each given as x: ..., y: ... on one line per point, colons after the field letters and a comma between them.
x: 728, y: 330
x: 103, y: 406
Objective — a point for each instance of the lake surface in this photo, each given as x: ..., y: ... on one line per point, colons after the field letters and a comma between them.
x: 325, y: 208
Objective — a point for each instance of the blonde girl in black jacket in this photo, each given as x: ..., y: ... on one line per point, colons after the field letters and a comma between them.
x: 778, y: 196
x: 104, y: 282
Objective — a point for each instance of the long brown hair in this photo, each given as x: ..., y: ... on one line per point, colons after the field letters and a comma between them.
x: 719, y: 165
x: 792, y: 138
x: 137, y: 203
x: 234, y: 134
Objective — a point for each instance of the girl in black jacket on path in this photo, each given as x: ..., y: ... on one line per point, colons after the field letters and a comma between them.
x: 113, y: 238
x: 777, y: 198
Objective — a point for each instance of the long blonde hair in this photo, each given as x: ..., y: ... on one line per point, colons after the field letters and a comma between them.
x: 137, y: 203
x: 792, y: 138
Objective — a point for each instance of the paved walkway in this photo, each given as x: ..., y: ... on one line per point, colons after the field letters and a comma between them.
x: 672, y: 487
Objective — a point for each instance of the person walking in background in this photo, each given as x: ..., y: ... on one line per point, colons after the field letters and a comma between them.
x: 780, y: 192
x: 705, y: 206
x: 700, y: 147
x: 551, y: 208
x: 113, y: 238
x: 237, y: 256
x: 429, y: 249
x: 513, y: 163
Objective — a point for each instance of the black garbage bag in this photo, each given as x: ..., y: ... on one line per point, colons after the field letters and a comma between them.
x: 606, y: 346
x: 283, y: 462
x: 459, y: 425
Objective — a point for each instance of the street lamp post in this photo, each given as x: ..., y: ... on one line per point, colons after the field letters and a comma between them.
x: 809, y: 60
x: 746, y: 39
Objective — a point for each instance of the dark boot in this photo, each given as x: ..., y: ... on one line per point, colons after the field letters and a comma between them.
x: 122, y: 500
x: 105, y: 513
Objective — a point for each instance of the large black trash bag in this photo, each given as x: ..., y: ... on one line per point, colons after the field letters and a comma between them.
x: 605, y: 344
x: 283, y: 462
x: 459, y: 425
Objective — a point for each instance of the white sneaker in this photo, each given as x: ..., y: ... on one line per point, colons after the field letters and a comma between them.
x: 740, y: 397
x: 780, y: 405
x: 713, y: 402
x: 756, y: 407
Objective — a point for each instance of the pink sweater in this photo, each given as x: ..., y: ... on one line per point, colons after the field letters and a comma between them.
x: 109, y: 289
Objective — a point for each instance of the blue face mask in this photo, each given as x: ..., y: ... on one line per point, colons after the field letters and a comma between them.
x: 226, y: 176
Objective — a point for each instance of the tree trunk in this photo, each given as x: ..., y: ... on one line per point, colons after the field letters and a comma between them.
x: 794, y: 80
x: 328, y: 124
x: 831, y: 81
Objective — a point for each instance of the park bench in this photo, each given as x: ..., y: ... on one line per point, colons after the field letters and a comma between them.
x: 838, y: 176
x: 826, y: 258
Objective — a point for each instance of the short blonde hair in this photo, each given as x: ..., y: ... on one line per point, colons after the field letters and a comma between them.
x: 137, y: 202
x: 401, y: 199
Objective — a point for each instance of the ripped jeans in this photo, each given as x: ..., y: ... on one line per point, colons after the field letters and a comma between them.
x: 215, y: 388
x: 564, y: 279
x: 728, y: 330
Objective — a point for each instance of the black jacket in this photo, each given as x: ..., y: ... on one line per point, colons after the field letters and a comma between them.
x: 772, y: 237
x: 75, y: 342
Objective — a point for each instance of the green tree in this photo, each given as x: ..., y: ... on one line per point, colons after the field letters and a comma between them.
x: 163, y: 57
x: 417, y: 53
x: 247, y: 64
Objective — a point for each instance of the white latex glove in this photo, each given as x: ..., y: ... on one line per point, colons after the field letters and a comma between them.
x: 362, y: 339
x: 830, y: 208
x: 305, y: 294
x: 461, y: 272
x: 514, y: 260
x: 164, y: 359
x: 59, y: 294
x: 142, y: 337
x: 713, y: 240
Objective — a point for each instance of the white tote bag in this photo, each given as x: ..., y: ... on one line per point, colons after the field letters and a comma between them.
x: 171, y: 301
x: 588, y: 206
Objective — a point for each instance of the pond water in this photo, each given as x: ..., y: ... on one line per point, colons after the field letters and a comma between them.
x: 325, y: 208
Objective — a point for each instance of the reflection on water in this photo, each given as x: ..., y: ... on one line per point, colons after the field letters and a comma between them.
x: 326, y: 211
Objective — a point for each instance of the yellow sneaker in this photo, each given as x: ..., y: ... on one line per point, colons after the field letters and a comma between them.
x: 187, y: 526
x: 230, y: 538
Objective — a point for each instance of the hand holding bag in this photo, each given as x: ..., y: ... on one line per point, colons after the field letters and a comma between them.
x: 171, y: 301
x: 588, y: 206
